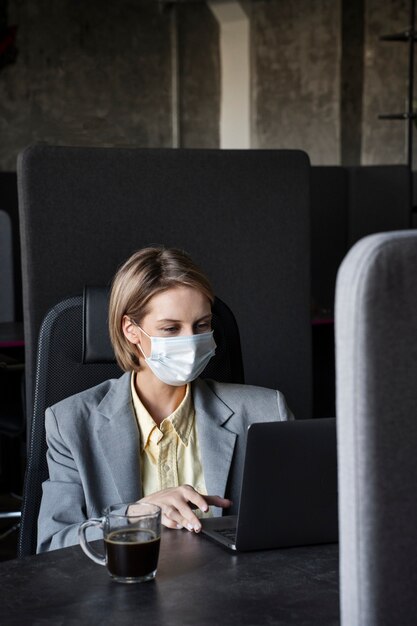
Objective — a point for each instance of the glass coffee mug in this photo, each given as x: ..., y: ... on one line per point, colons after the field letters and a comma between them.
x: 132, y: 535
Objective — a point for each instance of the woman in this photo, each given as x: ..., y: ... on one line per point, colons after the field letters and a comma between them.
x: 159, y: 433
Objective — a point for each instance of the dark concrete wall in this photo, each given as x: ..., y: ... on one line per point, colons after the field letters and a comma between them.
x: 385, y: 82
x: 101, y: 74
x: 94, y: 73
x: 296, y: 77
x: 351, y: 81
x: 87, y: 73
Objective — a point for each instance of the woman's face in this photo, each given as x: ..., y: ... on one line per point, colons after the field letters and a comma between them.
x: 174, y: 312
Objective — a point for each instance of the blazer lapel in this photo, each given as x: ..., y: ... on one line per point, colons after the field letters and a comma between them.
x: 216, y: 442
x: 118, y: 437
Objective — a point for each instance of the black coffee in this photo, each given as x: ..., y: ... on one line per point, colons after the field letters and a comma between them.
x: 132, y: 553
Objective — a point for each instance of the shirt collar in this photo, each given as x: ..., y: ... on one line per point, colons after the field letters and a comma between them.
x: 182, y: 418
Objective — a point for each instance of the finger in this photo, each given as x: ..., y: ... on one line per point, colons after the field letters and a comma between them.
x: 194, y: 499
x: 180, y: 514
x: 224, y: 503
x: 171, y: 512
x: 176, y: 511
x: 169, y: 523
x: 188, y: 519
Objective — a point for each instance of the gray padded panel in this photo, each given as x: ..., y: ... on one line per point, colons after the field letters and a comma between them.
x: 329, y: 227
x: 6, y: 269
x: 376, y: 356
x: 348, y: 203
x: 379, y: 200
x: 9, y: 204
x: 242, y: 215
x: 414, y: 187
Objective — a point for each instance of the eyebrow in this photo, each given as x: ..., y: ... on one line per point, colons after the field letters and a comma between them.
x: 167, y: 319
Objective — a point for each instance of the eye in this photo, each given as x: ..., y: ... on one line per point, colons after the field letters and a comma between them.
x: 203, y: 327
x: 170, y: 330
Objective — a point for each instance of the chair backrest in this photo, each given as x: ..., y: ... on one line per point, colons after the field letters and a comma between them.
x: 7, y: 311
x: 75, y: 354
x: 226, y: 365
x: 376, y: 365
x: 243, y: 215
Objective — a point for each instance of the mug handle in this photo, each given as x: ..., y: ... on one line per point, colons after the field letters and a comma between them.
x: 87, y: 549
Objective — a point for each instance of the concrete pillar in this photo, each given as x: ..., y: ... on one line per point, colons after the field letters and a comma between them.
x: 235, y: 74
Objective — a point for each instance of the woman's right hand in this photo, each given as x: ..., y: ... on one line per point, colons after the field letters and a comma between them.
x: 177, y: 504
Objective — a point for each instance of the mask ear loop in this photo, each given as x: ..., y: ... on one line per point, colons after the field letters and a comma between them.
x: 139, y: 347
x: 145, y: 333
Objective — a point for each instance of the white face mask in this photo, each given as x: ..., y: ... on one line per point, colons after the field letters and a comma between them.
x: 179, y: 360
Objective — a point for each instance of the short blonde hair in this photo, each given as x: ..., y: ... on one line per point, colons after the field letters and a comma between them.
x: 147, y: 272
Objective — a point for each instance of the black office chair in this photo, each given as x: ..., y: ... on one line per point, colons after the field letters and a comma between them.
x: 75, y: 353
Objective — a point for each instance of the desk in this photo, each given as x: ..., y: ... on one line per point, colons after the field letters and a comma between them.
x: 198, y: 583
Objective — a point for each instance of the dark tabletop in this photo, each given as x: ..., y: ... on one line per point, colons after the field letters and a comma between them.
x: 198, y: 583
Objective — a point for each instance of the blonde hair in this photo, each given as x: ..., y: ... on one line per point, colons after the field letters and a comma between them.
x: 146, y: 273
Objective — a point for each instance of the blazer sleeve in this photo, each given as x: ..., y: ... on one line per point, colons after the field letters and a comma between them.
x: 63, y: 506
x: 284, y: 412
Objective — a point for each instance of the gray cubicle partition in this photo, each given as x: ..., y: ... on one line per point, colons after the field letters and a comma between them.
x: 7, y: 310
x: 348, y: 203
x: 376, y: 357
x: 329, y: 228
x: 9, y: 204
x: 242, y: 215
x: 379, y: 200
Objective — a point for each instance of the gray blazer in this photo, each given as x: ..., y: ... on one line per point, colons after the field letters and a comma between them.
x: 93, y: 450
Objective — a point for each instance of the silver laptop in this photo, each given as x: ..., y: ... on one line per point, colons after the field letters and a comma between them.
x: 289, y: 488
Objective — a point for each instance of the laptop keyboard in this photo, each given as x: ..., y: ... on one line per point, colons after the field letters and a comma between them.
x: 228, y: 533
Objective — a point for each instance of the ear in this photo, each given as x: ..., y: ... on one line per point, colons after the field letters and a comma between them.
x: 130, y: 330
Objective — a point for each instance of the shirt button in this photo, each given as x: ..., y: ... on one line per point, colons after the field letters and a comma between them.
x: 167, y: 467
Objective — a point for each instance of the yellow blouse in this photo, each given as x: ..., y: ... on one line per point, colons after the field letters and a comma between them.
x: 169, y: 454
